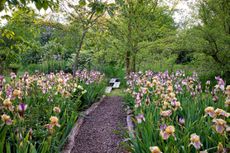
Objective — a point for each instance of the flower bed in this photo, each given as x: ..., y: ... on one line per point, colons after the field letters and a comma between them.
x: 38, y: 111
x: 174, y: 114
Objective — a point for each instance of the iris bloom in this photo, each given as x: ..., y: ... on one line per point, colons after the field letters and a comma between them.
x: 195, y: 141
x: 221, y: 112
x: 210, y: 111
x: 8, y: 104
x: 166, y: 113
x: 177, y: 105
x: 50, y: 128
x: 140, y: 118
x: 208, y: 82
x: 21, y: 109
x: 170, y: 89
x: 144, y: 90
x: 17, y: 93
x: 149, y: 84
x: 184, y: 82
x: 6, y: 119
x: 227, y: 103
x: 1, y: 95
x: 12, y: 75
x: 155, y: 149
x: 220, y: 125
x: 167, y: 132
x: 56, y: 109
x: 215, y: 98
x: 227, y: 92
x: 54, y: 121
x: 172, y: 95
x: 221, y: 83
x: 199, y: 88
x: 181, y: 120
x: 138, y: 100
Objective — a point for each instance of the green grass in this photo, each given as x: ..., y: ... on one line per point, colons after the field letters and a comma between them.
x: 117, y: 92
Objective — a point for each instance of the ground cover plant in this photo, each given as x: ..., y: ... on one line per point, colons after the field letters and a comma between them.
x: 39, y: 110
x: 174, y: 113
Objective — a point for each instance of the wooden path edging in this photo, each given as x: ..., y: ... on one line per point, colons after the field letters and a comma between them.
x: 75, y: 130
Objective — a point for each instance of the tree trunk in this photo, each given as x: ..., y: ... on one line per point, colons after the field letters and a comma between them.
x: 215, y: 50
x: 129, y: 44
x: 134, y: 62
x: 76, y: 60
x: 128, y: 53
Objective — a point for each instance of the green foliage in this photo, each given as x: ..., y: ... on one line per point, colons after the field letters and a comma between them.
x: 47, y: 67
x: 113, y: 71
x: 94, y: 92
x: 211, y: 36
x: 137, y: 30
x: 18, y: 36
x: 10, y: 47
x: 87, y: 13
x: 45, y: 4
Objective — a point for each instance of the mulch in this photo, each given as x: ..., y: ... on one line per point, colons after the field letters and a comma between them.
x: 100, y: 130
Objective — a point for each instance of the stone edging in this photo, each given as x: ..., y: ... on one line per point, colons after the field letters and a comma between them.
x: 75, y: 130
x: 130, y: 124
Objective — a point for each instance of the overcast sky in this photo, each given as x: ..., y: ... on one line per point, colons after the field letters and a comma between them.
x: 184, y: 11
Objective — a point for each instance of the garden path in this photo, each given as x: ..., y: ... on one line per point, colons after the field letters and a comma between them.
x: 99, y: 132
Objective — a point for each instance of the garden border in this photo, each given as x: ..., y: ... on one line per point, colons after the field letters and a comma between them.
x: 75, y: 130
x: 129, y: 121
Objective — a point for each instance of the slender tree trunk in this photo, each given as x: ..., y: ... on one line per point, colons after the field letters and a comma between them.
x: 1, y: 68
x: 134, y: 56
x: 134, y: 62
x: 215, y: 50
x: 128, y: 53
x: 76, y: 60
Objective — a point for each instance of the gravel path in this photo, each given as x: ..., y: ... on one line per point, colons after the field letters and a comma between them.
x: 98, y: 132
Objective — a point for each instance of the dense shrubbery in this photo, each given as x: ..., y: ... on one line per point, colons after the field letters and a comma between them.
x: 48, y: 67
x: 174, y: 113
x: 38, y: 111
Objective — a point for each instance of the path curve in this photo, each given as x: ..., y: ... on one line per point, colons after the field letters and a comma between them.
x: 98, y: 132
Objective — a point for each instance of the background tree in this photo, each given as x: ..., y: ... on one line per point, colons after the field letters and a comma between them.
x: 87, y: 13
x: 17, y: 36
x: 209, y: 39
x: 138, y: 25
x: 215, y: 30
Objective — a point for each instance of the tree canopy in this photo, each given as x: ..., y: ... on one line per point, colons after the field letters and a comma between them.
x: 39, y: 3
x: 130, y: 35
